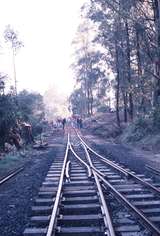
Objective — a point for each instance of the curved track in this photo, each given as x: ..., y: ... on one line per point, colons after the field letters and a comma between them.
x: 85, y: 194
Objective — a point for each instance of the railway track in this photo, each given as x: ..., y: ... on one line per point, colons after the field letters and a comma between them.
x: 86, y: 194
x: 11, y: 175
x: 153, y: 170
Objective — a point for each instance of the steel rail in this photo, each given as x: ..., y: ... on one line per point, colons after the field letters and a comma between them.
x: 120, y: 169
x: 88, y: 168
x: 129, y: 174
x: 15, y: 172
x: 106, y: 215
x: 51, y: 227
x: 140, y: 215
x: 135, y: 210
x: 67, y: 170
x: 154, y: 170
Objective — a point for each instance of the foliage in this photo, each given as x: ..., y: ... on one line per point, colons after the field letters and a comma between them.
x: 140, y: 128
x: 156, y: 119
x: 31, y: 108
x: 90, y: 73
x: 103, y: 109
x: 126, y: 33
x: 8, y: 116
x: 77, y: 102
x: 25, y: 106
x: 30, y: 105
x: 12, y: 37
x: 17, y: 108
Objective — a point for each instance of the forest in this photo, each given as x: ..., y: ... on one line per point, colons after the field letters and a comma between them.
x: 117, y: 61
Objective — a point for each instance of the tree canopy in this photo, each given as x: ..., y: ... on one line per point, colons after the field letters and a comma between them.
x: 120, y: 51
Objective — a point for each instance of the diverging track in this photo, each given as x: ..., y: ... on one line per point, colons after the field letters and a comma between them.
x: 86, y: 194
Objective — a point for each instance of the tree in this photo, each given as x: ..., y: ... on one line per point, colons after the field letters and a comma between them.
x: 156, y: 10
x: 12, y: 37
x: 3, y: 78
x: 88, y: 67
x: 30, y: 107
x: 129, y: 31
x: 77, y: 102
x: 8, y: 116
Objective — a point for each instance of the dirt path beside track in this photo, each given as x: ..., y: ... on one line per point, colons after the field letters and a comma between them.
x: 134, y: 158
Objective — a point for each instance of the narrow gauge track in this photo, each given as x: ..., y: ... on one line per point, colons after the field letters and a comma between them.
x: 11, y: 175
x: 72, y: 200
x: 153, y: 170
x: 137, y: 192
x: 68, y: 202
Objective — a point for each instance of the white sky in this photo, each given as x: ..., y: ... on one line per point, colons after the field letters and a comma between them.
x: 47, y: 28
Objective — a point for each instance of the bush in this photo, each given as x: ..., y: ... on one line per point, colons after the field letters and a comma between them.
x: 7, y: 117
x: 142, y: 123
x: 139, y: 128
x: 156, y: 119
x: 103, y: 109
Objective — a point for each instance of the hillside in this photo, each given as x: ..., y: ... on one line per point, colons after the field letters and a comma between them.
x: 136, y: 134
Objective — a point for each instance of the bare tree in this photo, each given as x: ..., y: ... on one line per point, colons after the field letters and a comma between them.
x: 12, y: 37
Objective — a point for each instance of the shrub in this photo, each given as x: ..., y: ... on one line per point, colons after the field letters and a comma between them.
x: 139, y: 128
x: 103, y: 109
x: 156, y: 119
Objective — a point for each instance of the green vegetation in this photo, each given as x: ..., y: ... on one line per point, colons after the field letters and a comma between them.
x: 31, y: 109
x: 117, y: 64
x: 117, y: 51
x: 16, y: 109
x: 9, y: 160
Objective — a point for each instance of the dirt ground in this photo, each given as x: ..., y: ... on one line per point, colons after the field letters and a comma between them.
x: 18, y: 194
x: 103, y: 134
x: 14, y: 159
x: 132, y: 157
x: 104, y: 126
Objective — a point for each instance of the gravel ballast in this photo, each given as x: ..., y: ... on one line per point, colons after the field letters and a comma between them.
x: 133, y: 158
x: 19, y: 193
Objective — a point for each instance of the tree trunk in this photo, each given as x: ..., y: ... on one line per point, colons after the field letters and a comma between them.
x: 117, y: 101
x: 88, y: 101
x: 156, y: 95
x: 125, y: 106
x: 123, y: 77
x: 139, y: 66
x: 129, y: 71
x: 91, y: 101
x: 118, y: 83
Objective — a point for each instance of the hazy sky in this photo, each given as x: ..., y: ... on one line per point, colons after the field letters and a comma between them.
x: 47, y: 28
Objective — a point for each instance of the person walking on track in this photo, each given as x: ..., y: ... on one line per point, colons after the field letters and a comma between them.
x: 64, y: 122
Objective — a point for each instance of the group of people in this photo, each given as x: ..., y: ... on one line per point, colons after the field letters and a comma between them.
x: 60, y: 123
x: 76, y: 122
x: 79, y: 123
x: 71, y: 121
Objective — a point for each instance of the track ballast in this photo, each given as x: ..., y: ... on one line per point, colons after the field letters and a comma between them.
x: 86, y: 194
